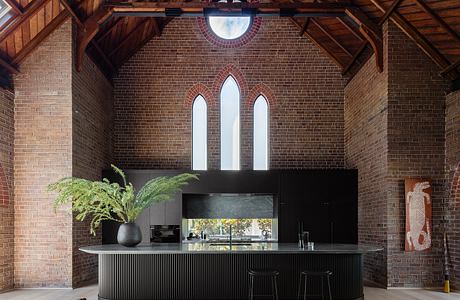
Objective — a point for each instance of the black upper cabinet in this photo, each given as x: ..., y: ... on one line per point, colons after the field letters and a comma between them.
x: 324, y: 201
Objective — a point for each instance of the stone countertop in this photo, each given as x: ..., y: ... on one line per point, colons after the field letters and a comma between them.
x: 219, y: 248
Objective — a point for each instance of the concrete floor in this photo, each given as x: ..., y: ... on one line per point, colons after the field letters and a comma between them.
x: 90, y: 293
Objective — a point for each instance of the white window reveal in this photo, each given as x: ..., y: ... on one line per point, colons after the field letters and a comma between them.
x: 199, y: 134
x: 260, y: 134
x: 230, y: 125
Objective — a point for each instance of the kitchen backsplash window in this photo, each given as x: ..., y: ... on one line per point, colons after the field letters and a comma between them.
x: 219, y: 229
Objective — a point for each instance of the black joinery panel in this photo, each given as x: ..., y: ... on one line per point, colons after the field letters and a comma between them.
x: 324, y: 200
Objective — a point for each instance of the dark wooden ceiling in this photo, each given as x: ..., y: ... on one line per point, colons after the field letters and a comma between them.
x: 111, y: 32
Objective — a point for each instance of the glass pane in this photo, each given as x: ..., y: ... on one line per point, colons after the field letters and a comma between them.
x: 199, y: 134
x: 230, y: 125
x: 218, y: 229
x: 229, y: 27
x: 261, y: 134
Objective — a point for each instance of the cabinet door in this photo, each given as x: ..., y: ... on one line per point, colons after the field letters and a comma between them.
x: 144, y: 223
x: 302, y: 198
x: 157, y: 213
x: 344, y: 220
x: 173, y: 210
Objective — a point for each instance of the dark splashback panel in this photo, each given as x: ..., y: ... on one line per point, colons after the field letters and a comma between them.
x: 227, y: 206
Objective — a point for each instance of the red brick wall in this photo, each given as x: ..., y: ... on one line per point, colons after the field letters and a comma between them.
x: 453, y: 183
x: 416, y: 99
x: 91, y: 153
x: 43, y: 154
x: 401, y: 135
x: 63, y: 125
x: 153, y: 120
x: 6, y: 189
x: 366, y: 100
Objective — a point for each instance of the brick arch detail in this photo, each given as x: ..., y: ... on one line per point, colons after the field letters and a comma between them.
x: 235, y: 43
x: 195, y: 91
x: 260, y: 89
x: 4, y: 190
x: 229, y: 70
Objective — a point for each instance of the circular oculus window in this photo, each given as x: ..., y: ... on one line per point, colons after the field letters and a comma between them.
x: 229, y: 28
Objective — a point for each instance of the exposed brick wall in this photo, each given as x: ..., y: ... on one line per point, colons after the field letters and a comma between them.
x: 453, y: 183
x: 153, y: 128
x: 416, y: 99
x: 63, y: 122
x: 6, y: 186
x: 366, y: 102
x: 43, y: 154
x: 92, y: 101
x: 408, y: 142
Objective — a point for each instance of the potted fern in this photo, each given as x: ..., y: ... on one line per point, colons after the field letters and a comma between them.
x: 103, y: 200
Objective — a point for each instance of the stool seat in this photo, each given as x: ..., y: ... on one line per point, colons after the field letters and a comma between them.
x: 316, y: 273
x: 321, y: 274
x: 263, y: 272
x: 258, y: 273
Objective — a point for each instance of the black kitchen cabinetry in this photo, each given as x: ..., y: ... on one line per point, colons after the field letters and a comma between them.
x: 325, y: 201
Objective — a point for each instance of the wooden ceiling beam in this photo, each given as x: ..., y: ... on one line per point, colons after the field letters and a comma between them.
x: 326, y: 51
x: 196, y: 8
x: 110, y: 29
x: 15, y: 6
x: 129, y: 36
x: 332, y: 38
x: 29, y: 11
x: 55, y: 23
x: 101, y: 52
x: 438, y: 19
x: 89, y: 31
x: 355, y: 57
x: 93, y: 42
x: 352, y: 29
x: 304, y: 27
x: 416, y: 36
x: 138, y: 47
x: 450, y: 68
x: 389, y: 11
x: 371, y: 31
x: 72, y: 13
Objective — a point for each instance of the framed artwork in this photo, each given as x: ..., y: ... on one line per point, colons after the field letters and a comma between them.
x: 418, y: 214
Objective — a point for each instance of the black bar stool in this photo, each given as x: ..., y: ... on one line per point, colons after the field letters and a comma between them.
x: 273, y: 274
x: 323, y: 274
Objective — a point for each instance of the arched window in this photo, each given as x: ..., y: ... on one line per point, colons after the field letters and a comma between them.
x: 260, y: 134
x: 230, y: 125
x: 199, y: 134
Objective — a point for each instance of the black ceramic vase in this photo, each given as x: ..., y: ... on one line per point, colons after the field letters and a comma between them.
x: 129, y: 234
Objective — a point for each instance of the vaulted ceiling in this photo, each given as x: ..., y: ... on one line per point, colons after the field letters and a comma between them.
x: 111, y: 32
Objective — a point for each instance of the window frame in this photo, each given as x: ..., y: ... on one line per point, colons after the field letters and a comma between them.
x: 206, y: 137
x: 239, y: 122
x: 267, y: 141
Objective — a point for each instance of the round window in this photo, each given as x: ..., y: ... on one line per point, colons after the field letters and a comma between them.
x: 229, y: 28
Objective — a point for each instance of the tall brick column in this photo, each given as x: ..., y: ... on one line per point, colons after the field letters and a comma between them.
x: 62, y: 128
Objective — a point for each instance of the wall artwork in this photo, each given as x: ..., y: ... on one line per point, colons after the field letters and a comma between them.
x: 418, y: 214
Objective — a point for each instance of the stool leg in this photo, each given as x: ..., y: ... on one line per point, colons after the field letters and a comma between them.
x: 329, y: 287
x: 276, y: 288
x: 322, y: 288
x: 305, y: 289
x: 251, y: 288
x: 300, y: 287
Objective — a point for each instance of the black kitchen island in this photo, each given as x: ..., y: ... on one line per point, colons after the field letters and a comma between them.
x: 207, y: 271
